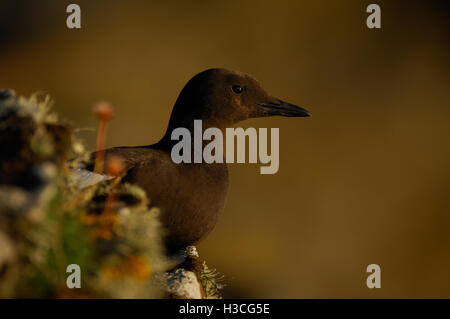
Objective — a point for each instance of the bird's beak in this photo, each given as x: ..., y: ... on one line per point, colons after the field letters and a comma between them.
x: 279, y: 107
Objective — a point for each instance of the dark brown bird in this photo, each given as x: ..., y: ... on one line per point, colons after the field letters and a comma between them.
x: 191, y: 196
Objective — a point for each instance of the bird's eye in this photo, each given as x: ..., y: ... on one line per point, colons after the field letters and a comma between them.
x: 237, y: 89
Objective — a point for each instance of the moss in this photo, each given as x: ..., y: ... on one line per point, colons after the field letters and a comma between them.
x: 46, y: 222
x: 45, y: 219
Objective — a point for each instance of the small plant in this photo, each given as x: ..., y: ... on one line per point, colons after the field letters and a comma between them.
x: 47, y: 221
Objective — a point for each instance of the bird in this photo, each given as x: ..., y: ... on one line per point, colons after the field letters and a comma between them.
x: 192, y: 196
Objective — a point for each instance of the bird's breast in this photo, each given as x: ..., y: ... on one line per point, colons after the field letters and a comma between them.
x: 191, y: 196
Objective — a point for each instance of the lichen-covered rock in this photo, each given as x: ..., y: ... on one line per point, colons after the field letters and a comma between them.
x: 184, y: 284
x: 192, y: 279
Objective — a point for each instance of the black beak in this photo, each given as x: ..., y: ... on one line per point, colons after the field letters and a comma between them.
x: 279, y: 107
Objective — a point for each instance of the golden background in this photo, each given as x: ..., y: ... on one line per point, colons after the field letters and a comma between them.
x: 365, y: 180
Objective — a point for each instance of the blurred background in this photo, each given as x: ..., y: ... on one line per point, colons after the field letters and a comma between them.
x: 365, y: 180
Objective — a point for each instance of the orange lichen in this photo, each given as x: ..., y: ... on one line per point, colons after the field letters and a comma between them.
x: 102, y: 225
x: 136, y: 267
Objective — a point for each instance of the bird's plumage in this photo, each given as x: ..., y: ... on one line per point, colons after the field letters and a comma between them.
x: 192, y: 195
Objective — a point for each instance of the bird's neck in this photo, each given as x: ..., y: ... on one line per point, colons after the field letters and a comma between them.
x: 196, y: 131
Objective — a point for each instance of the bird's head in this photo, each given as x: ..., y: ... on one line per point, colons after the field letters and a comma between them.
x: 221, y: 98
